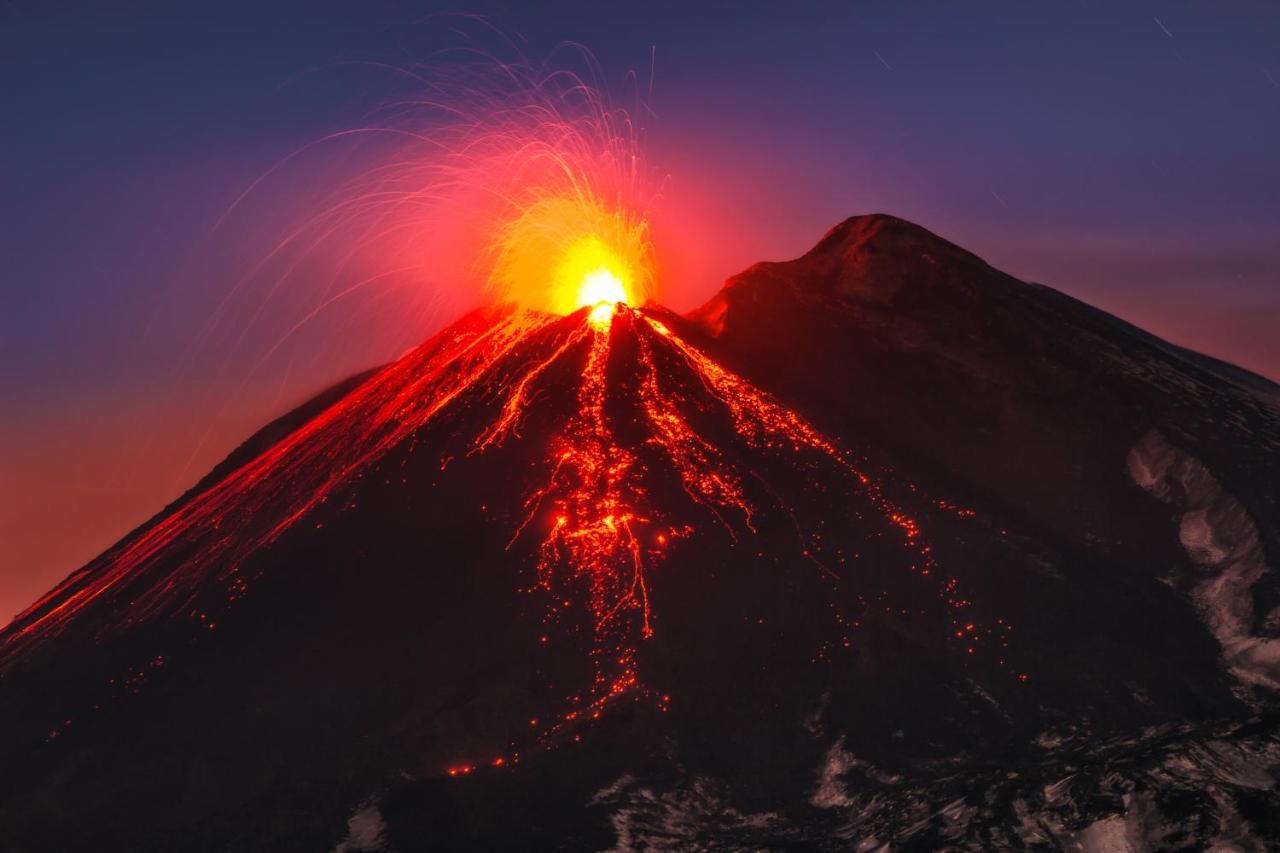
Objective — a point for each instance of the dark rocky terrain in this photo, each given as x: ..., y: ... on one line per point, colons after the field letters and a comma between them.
x: 1028, y: 603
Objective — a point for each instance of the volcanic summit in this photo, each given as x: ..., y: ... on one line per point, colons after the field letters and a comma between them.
x: 880, y: 546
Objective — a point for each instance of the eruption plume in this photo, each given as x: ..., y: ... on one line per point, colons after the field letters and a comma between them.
x: 527, y: 177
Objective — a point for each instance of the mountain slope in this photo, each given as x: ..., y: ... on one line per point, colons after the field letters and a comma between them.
x: 880, y: 545
x: 1010, y: 392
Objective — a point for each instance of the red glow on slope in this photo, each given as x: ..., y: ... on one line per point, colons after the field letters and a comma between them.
x: 284, y: 483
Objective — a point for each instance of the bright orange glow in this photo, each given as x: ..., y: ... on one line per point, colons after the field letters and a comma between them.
x: 601, y: 286
x: 602, y: 314
x: 502, y: 181
x: 561, y: 254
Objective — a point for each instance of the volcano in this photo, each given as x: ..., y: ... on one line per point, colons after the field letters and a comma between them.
x: 879, y: 548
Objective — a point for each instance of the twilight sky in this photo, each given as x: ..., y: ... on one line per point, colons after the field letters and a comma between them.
x: 1123, y: 153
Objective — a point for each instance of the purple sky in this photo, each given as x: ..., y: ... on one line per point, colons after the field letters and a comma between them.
x: 1123, y: 153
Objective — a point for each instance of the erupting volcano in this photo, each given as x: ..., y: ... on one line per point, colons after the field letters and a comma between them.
x: 879, y: 547
x: 863, y: 549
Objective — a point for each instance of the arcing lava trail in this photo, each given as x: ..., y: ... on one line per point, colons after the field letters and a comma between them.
x: 646, y: 411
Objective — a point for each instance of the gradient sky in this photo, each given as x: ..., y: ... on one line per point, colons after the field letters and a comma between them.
x: 1123, y: 153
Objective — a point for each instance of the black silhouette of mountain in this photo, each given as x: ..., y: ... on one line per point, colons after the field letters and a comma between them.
x: 879, y: 549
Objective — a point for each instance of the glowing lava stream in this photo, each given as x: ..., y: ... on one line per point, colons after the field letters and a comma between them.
x: 592, y: 519
x: 596, y: 508
x: 598, y: 501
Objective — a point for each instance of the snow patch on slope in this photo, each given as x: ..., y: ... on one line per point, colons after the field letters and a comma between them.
x: 831, y: 791
x: 1222, y: 540
x: 365, y: 831
x: 691, y: 817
